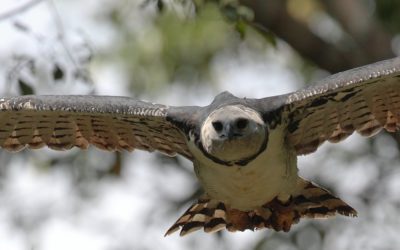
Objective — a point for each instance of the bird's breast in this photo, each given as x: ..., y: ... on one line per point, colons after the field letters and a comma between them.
x: 270, y: 174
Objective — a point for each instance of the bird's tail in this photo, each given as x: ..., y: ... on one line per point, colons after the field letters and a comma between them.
x: 310, y: 201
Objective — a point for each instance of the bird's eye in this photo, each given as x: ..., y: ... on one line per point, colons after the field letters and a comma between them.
x: 217, y: 126
x: 241, y: 123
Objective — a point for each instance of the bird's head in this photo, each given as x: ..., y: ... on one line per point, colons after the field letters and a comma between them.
x: 233, y: 133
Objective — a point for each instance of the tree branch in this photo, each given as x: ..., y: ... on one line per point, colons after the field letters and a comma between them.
x: 273, y: 15
x: 20, y: 9
x: 372, y: 39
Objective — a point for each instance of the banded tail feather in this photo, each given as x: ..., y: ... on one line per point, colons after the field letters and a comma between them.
x: 310, y: 201
x: 316, y: 202
x: 206, y: 213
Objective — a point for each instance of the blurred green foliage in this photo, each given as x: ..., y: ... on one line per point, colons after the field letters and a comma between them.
x: 175, y: 47
x: 180, y: 41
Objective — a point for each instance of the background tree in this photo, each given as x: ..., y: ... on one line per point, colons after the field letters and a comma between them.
x: 185, y: 52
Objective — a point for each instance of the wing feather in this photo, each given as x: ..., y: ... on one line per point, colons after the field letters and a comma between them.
x: 109, y: 123
x: 364, y: 99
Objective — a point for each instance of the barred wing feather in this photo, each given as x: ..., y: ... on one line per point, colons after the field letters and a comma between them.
x: 109, y: 123
x: 364, y: 99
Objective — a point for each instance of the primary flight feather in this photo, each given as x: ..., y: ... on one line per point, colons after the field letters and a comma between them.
x: 244, y: 151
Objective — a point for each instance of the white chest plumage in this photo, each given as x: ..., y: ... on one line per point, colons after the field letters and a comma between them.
x: 271, y: 174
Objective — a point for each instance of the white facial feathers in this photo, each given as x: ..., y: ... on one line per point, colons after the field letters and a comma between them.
x: 233, y: 133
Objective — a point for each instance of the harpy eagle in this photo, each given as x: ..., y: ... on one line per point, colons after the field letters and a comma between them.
x: 244, y: 150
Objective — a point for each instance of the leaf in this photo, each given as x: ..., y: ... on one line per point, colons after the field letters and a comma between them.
x: 240, y: 27
x: 25, y: 88
x: 21, y: 27
x: 160, y: 5
x: 267, y: 34
x: 58, y: 73
x: 230, y: 12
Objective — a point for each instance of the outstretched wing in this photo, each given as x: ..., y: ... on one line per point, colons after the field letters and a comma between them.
x: 364, y: 99
x: 109, y: 123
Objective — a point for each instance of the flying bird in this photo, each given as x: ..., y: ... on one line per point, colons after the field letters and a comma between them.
x: 244, y: 151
